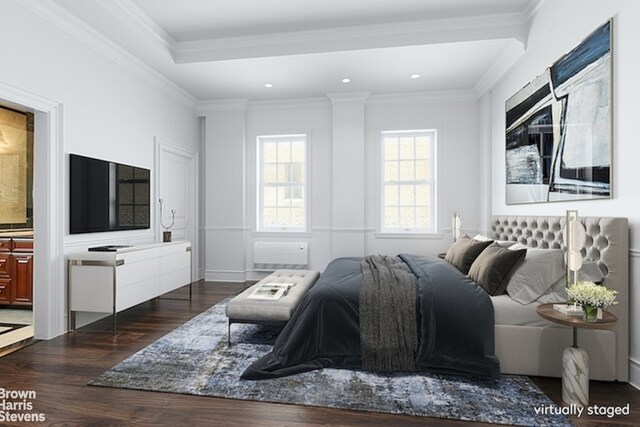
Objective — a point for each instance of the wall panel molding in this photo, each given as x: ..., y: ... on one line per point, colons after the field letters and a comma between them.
x: 83, y: 242
x: 236, y: 276
x: 225, y: 228
x: 634, y: 372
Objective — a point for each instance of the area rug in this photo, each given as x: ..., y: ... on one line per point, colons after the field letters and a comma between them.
x: 194, y: 359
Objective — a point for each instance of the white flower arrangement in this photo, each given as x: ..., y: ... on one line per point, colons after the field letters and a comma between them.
x: 588, y: 293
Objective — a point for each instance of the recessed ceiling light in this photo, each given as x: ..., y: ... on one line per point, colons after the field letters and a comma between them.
x: 346, y: 80
x: 415, y: 76
x: 268, y: 85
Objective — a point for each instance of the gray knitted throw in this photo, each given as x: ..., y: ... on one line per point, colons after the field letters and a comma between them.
x: 388, y: 325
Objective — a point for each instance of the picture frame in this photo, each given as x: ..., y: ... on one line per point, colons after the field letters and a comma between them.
x: 558, y: 128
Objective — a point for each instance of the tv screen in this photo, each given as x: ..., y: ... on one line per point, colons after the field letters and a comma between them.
x: 107, y: 196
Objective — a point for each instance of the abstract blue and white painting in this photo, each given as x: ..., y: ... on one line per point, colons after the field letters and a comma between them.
x: 558, y: 128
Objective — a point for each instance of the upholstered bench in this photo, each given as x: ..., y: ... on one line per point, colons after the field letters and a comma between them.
x: 241, y: 309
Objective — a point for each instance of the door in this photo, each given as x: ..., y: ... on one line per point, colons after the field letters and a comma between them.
x: 177, y: 171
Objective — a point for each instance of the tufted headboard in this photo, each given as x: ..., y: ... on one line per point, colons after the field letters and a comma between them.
x: 607, y: 243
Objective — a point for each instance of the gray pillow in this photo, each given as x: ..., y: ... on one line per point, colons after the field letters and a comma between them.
x: 591, y: 271
x: 540, y: 269
x: 493, y: 266
x: 556, y: 292
x: 464, y: 251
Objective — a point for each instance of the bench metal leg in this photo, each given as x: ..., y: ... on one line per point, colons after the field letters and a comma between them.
x: 229, y: 334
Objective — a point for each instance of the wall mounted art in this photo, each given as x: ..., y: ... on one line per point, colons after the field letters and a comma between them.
x: 559, y: 128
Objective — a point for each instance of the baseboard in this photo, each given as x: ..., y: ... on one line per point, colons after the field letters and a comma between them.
x: 634, y: 373
x: 257, y: 275
x: 239, y: 276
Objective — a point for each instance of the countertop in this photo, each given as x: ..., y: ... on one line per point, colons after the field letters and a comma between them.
x: 17, y: 233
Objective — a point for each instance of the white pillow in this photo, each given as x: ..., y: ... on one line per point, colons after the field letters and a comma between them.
x: 483, y: 238
x: 518, y: 246
x: 540, y: 269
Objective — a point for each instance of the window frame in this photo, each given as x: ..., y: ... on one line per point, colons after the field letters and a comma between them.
x: 260, y: 227
x: 432, y: 179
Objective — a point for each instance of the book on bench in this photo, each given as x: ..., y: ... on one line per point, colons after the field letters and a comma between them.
x: 270, y: 291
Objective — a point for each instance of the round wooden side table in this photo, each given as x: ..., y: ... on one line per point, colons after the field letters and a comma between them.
x: 575, y: 361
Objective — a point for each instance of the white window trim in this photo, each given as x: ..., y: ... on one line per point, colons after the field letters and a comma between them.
x: 283, y: 231
x: 399, y: 232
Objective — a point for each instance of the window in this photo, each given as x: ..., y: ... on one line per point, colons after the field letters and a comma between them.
x: 282, y: 183
x: 408, y: 181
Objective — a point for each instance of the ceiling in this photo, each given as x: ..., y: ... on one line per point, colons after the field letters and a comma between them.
x: 205, y: 19
x: 229, y: 49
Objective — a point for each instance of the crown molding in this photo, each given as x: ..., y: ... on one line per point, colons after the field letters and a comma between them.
x: 532, y: 9
x: 426, y: 31
x: 239, y: 104
x: 131, y: 15
x: 507, y: 59
x: 486, y: 27
x: 423, y: 97
x: 337, y: 99
x: 57, y: 15
x: 348, y: 97
x: 289, y: 104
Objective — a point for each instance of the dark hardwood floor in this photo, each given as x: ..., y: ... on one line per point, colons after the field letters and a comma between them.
x: 58, y: 371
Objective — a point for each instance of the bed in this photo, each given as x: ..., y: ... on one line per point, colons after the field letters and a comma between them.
x: 454, y: 317
x: 530, y: 346
x: 461, y: 329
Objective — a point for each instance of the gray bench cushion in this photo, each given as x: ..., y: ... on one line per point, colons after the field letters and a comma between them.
x: 243, y: 309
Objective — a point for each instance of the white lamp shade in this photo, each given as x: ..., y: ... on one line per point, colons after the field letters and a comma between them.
x: 577, y: 237
x: 577, y: 233
x: 455, y: 226
x: 574, y: 260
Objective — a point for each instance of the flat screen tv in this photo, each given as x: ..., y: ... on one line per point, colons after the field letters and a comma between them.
x: 107, y: 196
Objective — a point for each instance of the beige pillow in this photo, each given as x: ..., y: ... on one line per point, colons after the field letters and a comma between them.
x: 464, y: 251
x: 493, y: 266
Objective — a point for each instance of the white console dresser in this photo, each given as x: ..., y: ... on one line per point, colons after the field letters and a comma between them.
x: 110, y: 282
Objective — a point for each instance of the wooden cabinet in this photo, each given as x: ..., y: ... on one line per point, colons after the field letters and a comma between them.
x: 23, y: 275
x: 16, y: 272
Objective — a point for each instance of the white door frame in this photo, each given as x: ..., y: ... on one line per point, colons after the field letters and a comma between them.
x: 162, y: 147
x: 49, y: 290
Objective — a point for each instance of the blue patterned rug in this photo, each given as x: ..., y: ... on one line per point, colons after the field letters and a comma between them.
x: 194, y: 359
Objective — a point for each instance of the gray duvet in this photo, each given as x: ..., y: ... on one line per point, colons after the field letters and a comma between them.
x: 454, y: 315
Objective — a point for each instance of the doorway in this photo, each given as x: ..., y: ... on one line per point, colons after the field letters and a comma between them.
x: 49, y: 294
x: 16, y: 228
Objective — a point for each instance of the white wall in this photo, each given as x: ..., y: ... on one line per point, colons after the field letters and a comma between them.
x: 316, y: 122
x: 458, y: 170
x: 343, y: 136
x: 557, y: 28
x: 225, y: 221
x: 109, y: 112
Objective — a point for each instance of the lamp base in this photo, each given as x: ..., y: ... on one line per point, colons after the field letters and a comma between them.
x: 166, y: 236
